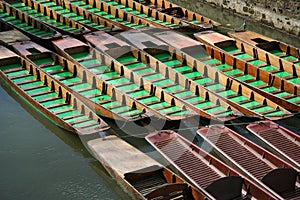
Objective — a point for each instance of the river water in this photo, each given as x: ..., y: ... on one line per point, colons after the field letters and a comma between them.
x: 42, y: 161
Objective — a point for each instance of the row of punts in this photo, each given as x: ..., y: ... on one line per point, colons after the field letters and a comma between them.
x: 80, y: 74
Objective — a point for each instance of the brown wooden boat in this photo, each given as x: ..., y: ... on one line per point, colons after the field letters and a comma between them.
x: 163, y: 106
x: 280, y: 91
x: 153, y: 16
x: 41, y: 10
x: 253, y: 55
x: 279, y: 140
x: 90, y: 89
x: 203, y: 170
x: 264, y: 168
x: 284, y: 51
x: 107, y: 12
x: 155, y: 73
x: 194, y: 19
x: 26, y: 24
x: 139, y: 174
x: 204, y: 77
x: 47, y: 96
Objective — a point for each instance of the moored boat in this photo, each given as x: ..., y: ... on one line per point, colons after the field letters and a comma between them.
x: 47, y: 96
x: 26, y: 24
x: 104, y: 99
x: 188, y: 16
x: 203, y: 170
x: 156, y: 73
x: 205, y: 77
x: 280, y: 91
x: 165, y: 108
x: 139, y: 174
x: 253, y: 55
x: 279, y: 140
x: 266, y: 169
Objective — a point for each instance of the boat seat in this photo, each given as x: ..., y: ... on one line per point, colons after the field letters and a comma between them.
x: 169, y: 191
x: 226, y: 188
x: 282, y: 180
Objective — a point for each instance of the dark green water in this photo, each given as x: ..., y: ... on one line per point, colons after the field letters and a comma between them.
x: 41, y: 161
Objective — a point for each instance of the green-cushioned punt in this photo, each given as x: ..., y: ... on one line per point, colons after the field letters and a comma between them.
x: 118, y: 81
x: 174, y: 88
x: 203, y: 81
x: 179, y: 113
x: 231, y: 49
x: 91, y: 62
x: 120, y: 109
x: 31, y: 84
x: 227, y: 93
x: 62, y: 74
x: 111, y: 104
x: 70, y: 80
x: 44, y: 96
x: 93, y: 92
x: 223, y: 114
x: 159, y: 105
x: 269, y: 68
x: 238, y: 99
x: 233, y: 72
x: 26, y: 78
x: 80, y: 86
x: 297, y: 63
x: 144, y: 71
x: 75, y: 119
x: 275, y: 113
x: 128, y: 87
x: 257, y: 83
x: 85, y: 124
x: 99, y: 69
x: 52, y: 102
x: 108, y: 75
x: 295, y: 80
x: 52, y: 68
x: 172, y: 62
x: 154, y: 76
x: 131, y: 113
x: 294, y: 99
x: 163, y: 82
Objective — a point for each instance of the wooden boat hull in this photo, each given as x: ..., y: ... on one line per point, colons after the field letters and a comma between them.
x: 132, y: 169
x: 26, y: 24
x: 280, y: 63
x: 143, y: 94
x: 202, y: 169
x: 251, y: 160
x: 88, y: 88
x: 282, y: 142
x: 222, y: 86
x: 47, y: 96
x: 145, y: 62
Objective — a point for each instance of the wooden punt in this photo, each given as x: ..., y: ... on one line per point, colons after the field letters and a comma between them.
x: 42, y: 11
x: 113, y: 73
x: 254, y: 56
x: 157, y: 74
x: 204, y: 77
x: 26, y: 24
x: 139, y: 174
x: 284, y: 51
x: 47, y: 96
x: 203, y: 170
x: 108, y: 13
x: 7, y: 37
x: 153, y: 16
x: 194, y: 19
x: 264, y: 168
x: 91, y: 90
x: 279, y: 140
x: 63, y: 17
x: 280, y: 91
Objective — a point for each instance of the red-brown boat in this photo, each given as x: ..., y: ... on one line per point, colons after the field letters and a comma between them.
x: 266, y: 169
x: 203, y: 170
